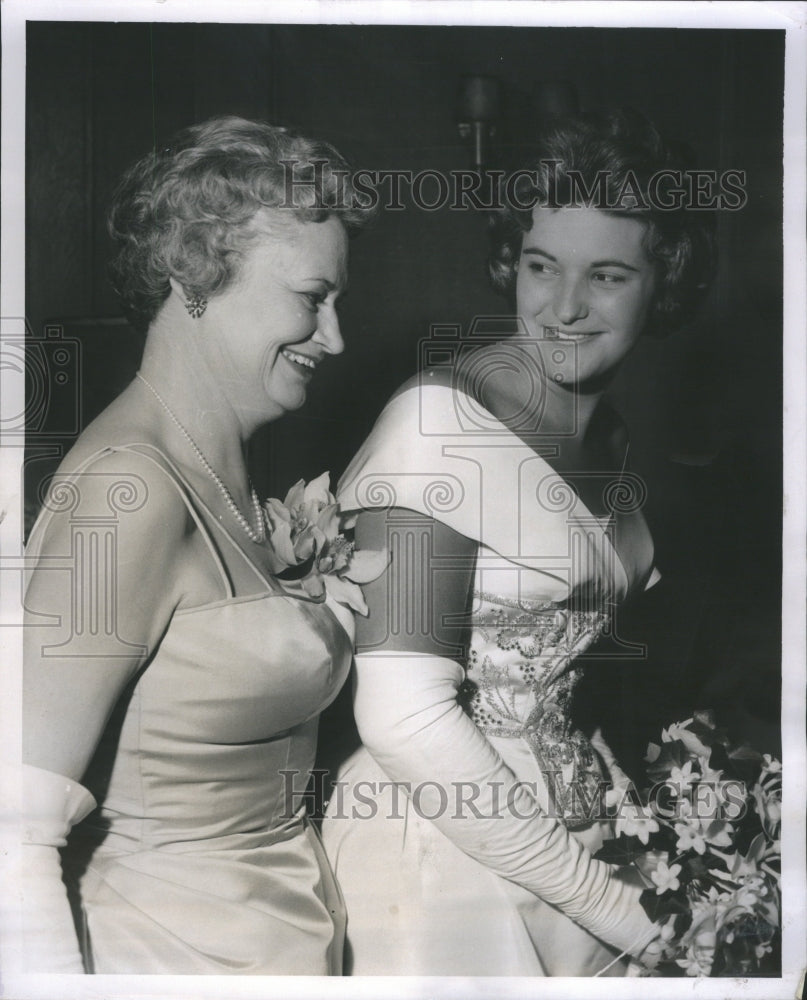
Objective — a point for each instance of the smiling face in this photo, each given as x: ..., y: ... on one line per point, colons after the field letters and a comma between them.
x: 583, y: 289
x: 265, y: 335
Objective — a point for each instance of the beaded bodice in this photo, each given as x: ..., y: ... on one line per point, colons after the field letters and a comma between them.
x: 520, y: 678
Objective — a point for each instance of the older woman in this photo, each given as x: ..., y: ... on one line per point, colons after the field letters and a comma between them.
x: 463, y: 832
x: 169, y: 679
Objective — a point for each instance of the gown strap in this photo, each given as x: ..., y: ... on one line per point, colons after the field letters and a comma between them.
x: 184, y: 490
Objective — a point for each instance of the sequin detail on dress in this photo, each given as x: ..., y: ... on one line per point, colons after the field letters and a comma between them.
x: 519, y: 684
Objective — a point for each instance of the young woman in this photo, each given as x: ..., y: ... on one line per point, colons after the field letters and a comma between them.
x: 463, y: 831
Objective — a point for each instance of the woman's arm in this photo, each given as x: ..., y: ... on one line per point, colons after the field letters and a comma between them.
x: 407, y: 678
x: 98, y: 599
x: 101, y: 592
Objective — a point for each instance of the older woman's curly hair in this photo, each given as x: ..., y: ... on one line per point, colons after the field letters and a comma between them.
x: 187, y: 212
x: 614, y: 153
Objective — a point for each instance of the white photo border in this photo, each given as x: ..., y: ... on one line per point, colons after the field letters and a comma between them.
x: 790, y: 17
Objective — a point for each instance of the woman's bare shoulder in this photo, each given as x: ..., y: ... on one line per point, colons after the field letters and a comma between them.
x: 118, y: 426
x: 115, y: 470
x: 428, y: 377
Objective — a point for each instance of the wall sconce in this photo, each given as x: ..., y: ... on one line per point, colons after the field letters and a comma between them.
x: 478, y: 111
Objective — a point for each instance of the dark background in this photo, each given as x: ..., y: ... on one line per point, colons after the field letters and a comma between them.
x: 704, y: 407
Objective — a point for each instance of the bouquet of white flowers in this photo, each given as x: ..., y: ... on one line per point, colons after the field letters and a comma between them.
x: 705, y: 833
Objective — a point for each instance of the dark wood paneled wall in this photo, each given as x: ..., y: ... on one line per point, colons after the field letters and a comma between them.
x: 99, y: 96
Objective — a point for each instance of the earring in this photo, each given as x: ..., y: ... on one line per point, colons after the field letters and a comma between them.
x: 196, y: 305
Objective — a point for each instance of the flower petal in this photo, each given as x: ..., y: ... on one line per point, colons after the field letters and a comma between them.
x: 345, y: 592
x: 305, y: 544
x: 280, y: 540
x: 320, y: 541
x: 328, y: 520
x: 367, y: 565
x: 313, y: 585
x: 319, y: 490
x: 295, y: 494
x: 348, y: 521
x: 276, y: 511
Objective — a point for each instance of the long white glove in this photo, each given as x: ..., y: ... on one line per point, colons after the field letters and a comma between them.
x: 52, y: 804
x: 409, y: 719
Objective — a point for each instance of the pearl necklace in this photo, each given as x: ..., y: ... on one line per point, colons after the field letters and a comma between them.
x: 256, y: 535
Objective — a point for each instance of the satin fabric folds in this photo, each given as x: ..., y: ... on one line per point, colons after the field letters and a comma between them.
x: 200, y: 858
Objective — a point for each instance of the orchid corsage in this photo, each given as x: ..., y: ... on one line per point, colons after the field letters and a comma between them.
x: 309, y: 536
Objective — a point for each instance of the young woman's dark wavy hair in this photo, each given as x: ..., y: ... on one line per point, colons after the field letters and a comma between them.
x: 188, y: 211
x: 612, y: 155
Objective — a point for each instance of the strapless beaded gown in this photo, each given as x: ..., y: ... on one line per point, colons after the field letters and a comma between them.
x: 548, y: 578
x: 200, y: 858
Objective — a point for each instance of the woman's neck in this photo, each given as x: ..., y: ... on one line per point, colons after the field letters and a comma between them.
x: 175, y: 369
x: 569, y: 409
x: 520, y: 395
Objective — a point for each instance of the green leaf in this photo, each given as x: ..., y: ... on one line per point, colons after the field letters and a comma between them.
x: 757, y: 847
x: 744, y: 764
x: 623, y: 850
x: 672, y: 754
x: 719, y: 759
x: 683, y: 921
x: 657, y: 906
x: 714, y: 861
x: 699, y: 865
